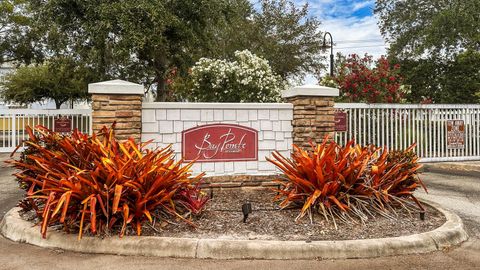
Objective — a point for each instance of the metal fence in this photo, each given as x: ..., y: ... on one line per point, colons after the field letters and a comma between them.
x: 397, y: 126
x: 13, y: 123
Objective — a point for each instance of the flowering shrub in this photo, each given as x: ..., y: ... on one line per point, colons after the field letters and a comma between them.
x: 329, y: 81
x: 248, y: 78
x: 360, y: 79
x: 338, y: 182
x: 97, y: 183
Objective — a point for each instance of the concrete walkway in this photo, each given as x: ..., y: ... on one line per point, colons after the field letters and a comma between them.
x: 458, y: 193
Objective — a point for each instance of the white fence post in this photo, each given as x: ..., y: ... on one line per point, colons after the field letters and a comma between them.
x: 13, y: 141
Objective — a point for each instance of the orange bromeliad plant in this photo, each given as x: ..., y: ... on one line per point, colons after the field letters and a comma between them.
x: 340, y: 181
x: 98, y: 183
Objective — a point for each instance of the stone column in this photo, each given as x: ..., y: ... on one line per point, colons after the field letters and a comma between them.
x: 117, y: 101
x: 313, y: 113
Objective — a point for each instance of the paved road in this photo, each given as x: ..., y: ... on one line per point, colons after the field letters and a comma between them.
x: 9, y: 193
x: 458, y: 193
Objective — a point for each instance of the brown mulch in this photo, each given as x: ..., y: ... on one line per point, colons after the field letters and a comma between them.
x: 223, y: 218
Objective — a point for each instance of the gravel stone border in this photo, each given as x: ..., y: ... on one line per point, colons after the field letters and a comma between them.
x: 451, y: 233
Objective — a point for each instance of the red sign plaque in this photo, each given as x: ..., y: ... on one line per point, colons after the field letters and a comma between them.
x: 340, y: 121
x: 220, y: 142
x: 455, y: 134
x: 62, y: 124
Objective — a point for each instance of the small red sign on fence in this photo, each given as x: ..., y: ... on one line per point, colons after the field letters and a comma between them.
x: 455, y: 134
x: 340, y: 121
x: 220, y: 142
x: 62, y: 124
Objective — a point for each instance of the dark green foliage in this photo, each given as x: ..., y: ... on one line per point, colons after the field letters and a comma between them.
x: 436, y: 42
x: 15, y: 41
x: 443, y: 81
x: 60, y: 81
x: 143, y: 41
x: 288, y: 37
x: 437, y: 27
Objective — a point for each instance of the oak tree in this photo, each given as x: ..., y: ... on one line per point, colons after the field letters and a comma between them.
x: 60, y: 81
x: 433, y: 40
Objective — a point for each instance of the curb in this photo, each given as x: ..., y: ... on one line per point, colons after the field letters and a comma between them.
x: 452, y: 168
x: 449, y: 234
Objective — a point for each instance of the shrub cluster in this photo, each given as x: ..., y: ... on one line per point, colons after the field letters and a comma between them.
x: 97, y: 183
x: 342, y: 181
x: 246, y: 78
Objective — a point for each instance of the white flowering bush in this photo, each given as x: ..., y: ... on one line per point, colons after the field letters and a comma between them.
x: 328, y: 81
x: 248, y: 78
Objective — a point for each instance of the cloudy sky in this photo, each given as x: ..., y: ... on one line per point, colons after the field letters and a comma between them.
x: 352, y: 24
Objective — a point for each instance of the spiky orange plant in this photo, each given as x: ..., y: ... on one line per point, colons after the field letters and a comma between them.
x: 98, y: 183
x: 339, y: 181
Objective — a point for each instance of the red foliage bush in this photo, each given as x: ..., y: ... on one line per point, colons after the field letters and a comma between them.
x: 98, y: 183
x: 338, y: 181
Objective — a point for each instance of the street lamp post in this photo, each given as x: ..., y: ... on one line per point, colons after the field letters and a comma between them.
x: 331, y: 50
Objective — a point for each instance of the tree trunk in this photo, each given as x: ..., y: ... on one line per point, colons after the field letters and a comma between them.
x: 161, y: 68
x: 161, y: 90
x: 58, y: 104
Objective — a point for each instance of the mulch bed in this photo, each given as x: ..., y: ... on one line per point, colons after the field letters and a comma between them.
x: 223, y: 218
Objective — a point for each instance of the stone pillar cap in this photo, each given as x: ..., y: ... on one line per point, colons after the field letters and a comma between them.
x: 310, y: 91
x: 116, y: 87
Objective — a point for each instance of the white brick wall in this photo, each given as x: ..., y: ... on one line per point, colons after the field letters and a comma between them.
x: 164, y: 121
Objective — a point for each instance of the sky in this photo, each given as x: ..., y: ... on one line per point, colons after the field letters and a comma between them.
x: 352, y: 24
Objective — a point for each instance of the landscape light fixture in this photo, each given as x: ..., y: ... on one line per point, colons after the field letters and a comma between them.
x: 331, y: 50
x: 246, y: 209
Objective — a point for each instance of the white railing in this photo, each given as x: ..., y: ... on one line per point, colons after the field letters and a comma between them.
x: 14, y: 121
x: 397, y: 126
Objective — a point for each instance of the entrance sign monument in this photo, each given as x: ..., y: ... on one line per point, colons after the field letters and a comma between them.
x: 220, y: 142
